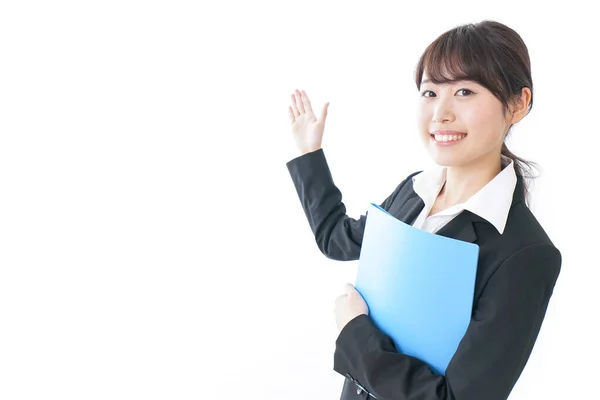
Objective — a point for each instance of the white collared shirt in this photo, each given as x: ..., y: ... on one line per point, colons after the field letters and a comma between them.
x: 492, y: 202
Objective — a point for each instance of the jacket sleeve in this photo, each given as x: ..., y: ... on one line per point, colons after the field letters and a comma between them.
x: 491, y: 356
x: 338, y: 236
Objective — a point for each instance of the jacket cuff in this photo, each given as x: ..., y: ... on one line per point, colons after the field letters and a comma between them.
x: 308, y: 166
x: 359, y: 337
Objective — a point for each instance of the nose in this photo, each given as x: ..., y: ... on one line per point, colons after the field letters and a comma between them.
x: 442, y: 111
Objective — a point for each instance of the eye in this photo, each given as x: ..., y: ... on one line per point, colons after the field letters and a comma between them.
x: 466, y: 91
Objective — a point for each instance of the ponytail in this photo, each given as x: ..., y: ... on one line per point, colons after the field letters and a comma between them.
x: 523, y: 169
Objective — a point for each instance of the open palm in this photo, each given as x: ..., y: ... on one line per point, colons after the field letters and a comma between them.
x: 306, y: 128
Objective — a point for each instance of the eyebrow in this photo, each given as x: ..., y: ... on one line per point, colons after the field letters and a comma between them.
x: 459, y: 80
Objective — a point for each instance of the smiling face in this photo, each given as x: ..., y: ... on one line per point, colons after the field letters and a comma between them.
x: 461, y: 123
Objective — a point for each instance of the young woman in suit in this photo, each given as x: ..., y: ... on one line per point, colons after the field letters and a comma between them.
x: 475, y: 83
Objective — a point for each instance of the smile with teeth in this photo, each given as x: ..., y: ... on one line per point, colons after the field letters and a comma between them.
x: 448, y: 138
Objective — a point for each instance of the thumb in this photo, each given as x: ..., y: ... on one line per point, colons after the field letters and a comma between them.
x: 324, y: 114
x: 348, y: 288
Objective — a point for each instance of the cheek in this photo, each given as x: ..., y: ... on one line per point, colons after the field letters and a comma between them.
x: 476, y: 118
x: 486, y: 123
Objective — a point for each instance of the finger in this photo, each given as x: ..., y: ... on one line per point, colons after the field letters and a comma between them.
x: 294, y: 108
x: 338, y: 301
x: 324, y: 114
x: 306, y: 102
x: 348, y: 288
x: 292, y: 116
x: 299, y: 102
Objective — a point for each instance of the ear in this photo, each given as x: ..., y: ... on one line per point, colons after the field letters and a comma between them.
x: 520, y: 106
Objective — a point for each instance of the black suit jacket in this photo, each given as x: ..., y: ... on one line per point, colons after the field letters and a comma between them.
x: 516, y: 275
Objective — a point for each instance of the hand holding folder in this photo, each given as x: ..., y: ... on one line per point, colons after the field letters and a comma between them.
x: 419, y: 286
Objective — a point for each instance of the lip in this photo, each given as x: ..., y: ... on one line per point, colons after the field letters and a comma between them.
x: 446, y: 132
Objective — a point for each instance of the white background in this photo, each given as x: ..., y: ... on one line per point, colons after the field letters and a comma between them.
x: 152, y: 245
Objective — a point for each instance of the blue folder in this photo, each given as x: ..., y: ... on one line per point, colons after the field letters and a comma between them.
x: 419, y: 286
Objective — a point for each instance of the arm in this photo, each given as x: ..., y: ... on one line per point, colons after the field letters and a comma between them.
x: 338, y: 236
x: 492, y: 354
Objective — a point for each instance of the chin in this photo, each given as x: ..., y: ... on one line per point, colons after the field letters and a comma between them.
x: 446, y: 160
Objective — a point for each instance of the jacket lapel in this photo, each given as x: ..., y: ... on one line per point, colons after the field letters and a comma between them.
x: 411, y: 209
x: 461, y: 227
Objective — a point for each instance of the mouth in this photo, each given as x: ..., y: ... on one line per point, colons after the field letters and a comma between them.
x: 449, y: 139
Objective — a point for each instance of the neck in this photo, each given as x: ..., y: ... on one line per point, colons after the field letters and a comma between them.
x: 464, y: 181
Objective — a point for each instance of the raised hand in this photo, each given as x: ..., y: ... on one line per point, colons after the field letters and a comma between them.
x: 307, y: 130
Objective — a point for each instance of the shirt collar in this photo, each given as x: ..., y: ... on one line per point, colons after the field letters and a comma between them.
x: 492, y: 202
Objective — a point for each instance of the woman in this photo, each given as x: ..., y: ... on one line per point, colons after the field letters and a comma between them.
x: 475, y: 82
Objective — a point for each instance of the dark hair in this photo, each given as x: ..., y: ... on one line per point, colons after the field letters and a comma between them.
x: 491, y: 54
